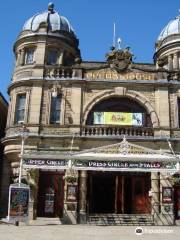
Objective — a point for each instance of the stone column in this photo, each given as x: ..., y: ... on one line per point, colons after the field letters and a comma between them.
x: 18, y: 59
x: 82, y: 198
x: 22, y: 55
x: 70, y: 206
x: 155, y: 196
x: 61, y: 58
x: 33, y: 178
x: 175, y: 62
x: 167, y: 209
x: 170, y: 63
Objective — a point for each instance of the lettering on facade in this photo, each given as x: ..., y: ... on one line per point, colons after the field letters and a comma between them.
x: 88, y: 164
x: 112, y: 75
x: 122, y: 165
x: 44, y: 163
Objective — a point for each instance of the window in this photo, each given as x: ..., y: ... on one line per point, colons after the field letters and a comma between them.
x: 20, y: 108
x: 29, y: 56
x: 55, y: 109
x: 52, y: 57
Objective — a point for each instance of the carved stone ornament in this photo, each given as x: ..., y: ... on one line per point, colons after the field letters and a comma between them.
x: 161, y: 62
x: 119, y: 59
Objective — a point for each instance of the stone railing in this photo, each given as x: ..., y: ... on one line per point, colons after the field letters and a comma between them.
x: 102, y: 130
x: 58, y: 72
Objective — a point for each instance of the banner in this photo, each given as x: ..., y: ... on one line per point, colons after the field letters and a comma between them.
x: 118, y: 118
x: 123, y: 166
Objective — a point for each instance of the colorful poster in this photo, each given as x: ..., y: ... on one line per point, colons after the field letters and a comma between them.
x: 18, y: 203
x: 118, y: 118
x: 71, y: 193
x: 98, y: 117
x: 137, y: 119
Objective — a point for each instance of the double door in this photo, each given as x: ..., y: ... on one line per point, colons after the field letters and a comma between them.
x: 50, y: 194
x: 119, y: 193
x: 132, y: 194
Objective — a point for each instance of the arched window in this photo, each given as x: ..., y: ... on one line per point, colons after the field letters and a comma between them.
x: 120, y: 111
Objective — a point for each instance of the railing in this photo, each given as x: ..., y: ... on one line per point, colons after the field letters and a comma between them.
x: 58, y: 72
x: 117, y: 131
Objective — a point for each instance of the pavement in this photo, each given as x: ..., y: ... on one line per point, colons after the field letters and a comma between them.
x: 85, y: 232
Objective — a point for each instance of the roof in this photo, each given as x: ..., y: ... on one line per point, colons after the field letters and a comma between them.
x: 51, y: 18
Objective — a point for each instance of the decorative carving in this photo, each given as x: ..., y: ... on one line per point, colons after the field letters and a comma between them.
x: 119, y: 59
x: 161, y: 62
x: 125, y: 148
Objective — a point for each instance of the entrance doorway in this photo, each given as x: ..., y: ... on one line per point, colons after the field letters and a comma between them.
x: 102, y: 193
x: 50, y: 194
x: 120, y: 193
x: 177, y: 202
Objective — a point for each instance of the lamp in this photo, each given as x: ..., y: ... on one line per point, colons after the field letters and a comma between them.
x: 24, y: 135
x: 54, y: 91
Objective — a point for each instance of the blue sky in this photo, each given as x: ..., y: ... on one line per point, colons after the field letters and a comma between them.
x: 138, y: 24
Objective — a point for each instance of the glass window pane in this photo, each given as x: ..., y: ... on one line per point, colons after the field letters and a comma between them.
x: 52, y: 57
x: 29, y: 57
x: 55, y: 109
x: 20, y: 107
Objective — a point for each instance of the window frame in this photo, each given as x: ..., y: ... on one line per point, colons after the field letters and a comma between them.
x: 52, y: 114
x: 29, y: 50
x: 18, y: 109
x: 48, y: 60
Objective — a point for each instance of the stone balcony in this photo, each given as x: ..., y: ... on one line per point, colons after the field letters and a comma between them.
x: 62, y: 72
x: 93, y: 131
x: 104, y: 130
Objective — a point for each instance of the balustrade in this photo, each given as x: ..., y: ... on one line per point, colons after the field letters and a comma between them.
x: 117, y: 131
x: 58, y: 72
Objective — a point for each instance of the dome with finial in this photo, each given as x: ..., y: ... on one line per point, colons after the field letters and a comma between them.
x: 51, y: 18
x: 173, y: 27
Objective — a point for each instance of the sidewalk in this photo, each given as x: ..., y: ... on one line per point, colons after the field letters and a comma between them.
x: 85, y: 232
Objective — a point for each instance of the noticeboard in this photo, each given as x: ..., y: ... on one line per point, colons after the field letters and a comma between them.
x: 18, y: 202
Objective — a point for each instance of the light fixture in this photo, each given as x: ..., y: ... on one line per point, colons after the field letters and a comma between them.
x: 54, y: 91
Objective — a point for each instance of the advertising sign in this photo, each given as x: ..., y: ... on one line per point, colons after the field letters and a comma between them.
x: 45, y: 163
x: 167, y: 195
x: 118, y: 118
x: 71, y: 193
x: 123, y: 165
x: 18, y: 202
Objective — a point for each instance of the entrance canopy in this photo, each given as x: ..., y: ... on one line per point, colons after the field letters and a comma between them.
x: 123, y: 156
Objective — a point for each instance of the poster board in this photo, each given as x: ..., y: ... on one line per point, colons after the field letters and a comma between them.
x: 18, y: 202
x: 167, y: 195
x: 71, y: 193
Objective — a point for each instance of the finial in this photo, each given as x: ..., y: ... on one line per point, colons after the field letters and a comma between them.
x: 114, y: 35
x: 51, y: 7
x: 119, y: 41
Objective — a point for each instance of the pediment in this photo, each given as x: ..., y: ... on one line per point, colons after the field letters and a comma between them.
x: 124, y: 150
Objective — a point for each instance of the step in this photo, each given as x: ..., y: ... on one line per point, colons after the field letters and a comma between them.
x: 120, y: 219
x: 42, y: 221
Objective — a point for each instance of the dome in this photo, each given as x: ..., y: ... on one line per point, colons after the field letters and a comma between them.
x: 173, y: 27
x: 54, y: 21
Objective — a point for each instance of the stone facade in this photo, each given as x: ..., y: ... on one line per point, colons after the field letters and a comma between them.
x: 82, y: 87
x: 3, y: 118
